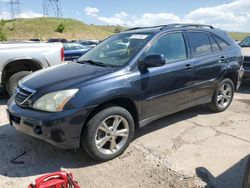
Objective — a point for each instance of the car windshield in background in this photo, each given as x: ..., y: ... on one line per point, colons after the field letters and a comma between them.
x: 117, y: 50
x: 245, y: 42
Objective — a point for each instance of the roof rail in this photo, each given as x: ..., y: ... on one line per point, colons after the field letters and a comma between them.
x: 173, y: 26
x: 134, y: 28
x: 187, y: 25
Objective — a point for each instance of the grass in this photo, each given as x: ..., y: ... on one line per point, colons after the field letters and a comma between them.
x: 45, y: 28
x: 238, y: 36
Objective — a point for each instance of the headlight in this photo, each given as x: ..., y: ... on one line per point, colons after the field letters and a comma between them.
x: 54, y: 102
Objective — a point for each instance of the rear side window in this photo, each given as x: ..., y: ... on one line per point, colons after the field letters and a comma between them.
x: 214, y: 44
x: 172, y: 46
x: 199, y: 43
x: 221, y: 43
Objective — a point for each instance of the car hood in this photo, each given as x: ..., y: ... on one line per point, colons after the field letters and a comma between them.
x: 64, y: 76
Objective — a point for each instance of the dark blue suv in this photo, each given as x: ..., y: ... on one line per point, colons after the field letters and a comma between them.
x: 126, y: 82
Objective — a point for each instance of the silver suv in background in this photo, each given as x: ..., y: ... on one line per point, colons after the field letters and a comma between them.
x: 18, y: 59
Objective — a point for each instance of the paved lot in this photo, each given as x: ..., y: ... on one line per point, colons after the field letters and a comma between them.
x: 193, y: 148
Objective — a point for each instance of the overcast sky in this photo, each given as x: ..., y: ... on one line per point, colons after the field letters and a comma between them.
x: 225, y: 14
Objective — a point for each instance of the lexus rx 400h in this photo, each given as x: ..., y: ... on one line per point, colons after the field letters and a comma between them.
x: 127, y: 81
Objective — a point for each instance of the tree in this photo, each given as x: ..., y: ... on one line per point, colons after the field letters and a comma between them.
x: 3, y: 37
x: 60, y: 28
x: 118, y: 29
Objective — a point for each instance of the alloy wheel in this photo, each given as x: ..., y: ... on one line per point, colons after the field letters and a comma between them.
x: 225, y: 95
x: 112, y: 134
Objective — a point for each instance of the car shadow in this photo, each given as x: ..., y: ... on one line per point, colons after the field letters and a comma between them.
x: 22, y: 155
x: 232, y: 177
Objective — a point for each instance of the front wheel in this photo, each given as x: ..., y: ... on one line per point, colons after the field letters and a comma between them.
x: 108, y: 133
x: 13, y: 81
x: 223, y: 96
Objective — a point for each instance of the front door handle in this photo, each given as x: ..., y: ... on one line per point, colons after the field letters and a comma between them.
x: 223, y: 59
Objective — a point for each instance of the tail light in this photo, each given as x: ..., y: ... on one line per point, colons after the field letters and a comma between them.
x: 62, y: 54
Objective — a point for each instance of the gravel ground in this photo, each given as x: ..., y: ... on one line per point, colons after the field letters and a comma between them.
x: 193, y: 148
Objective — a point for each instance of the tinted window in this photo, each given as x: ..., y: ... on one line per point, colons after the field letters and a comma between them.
x: 214, y: 44
x: 221, y: 43
x: 199, y: 43
x: 172, y: 46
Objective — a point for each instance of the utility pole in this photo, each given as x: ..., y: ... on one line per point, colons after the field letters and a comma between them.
x: 14, y: 8
x: 53, y: 6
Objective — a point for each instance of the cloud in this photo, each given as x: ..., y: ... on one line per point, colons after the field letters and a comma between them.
x: 91, y: 11
x: 230, y: 16
x: 23, y: 14
x: 233, y: 16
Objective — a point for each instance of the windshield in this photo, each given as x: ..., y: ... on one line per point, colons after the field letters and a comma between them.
x: 117, y: 50
x: 245, y: 42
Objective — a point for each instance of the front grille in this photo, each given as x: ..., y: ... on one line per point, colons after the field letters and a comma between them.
x: 22, y: 95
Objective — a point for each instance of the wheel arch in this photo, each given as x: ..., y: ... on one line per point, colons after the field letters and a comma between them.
x: 16, y: 65
x: 232, y: 76
x: 124, y: 102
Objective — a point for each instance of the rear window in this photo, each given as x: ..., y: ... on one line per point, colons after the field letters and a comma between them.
x: 199, y: 43
x: 223, y: 45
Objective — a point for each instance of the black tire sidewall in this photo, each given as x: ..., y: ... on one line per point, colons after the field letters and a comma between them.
x: 89, y: 131
x: 13, y: 81
x: 215, y: 103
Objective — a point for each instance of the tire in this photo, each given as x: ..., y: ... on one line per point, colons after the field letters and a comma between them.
x: 93, y: 133
x: 223, y: 96
x: 13, y: 81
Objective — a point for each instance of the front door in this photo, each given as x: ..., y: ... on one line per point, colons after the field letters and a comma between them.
x: 167, y: 89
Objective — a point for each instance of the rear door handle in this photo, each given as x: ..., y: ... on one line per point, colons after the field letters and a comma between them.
x: 188, y: 66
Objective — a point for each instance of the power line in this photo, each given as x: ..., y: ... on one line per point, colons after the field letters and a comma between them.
x: 14, y: 8
x: 52, y: 8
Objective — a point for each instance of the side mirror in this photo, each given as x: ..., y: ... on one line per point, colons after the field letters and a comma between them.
x: 154, y: 60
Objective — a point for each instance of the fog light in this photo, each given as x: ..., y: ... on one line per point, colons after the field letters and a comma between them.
x: 38, y: 130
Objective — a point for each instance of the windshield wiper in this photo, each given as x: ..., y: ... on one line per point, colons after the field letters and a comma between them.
x: 93, y: 63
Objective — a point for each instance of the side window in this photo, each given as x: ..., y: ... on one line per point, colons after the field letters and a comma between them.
x: 199, y: 43
x: 221, y: 43
x: 172, y: 46
x: 214, y: 44
x: 67, y: 47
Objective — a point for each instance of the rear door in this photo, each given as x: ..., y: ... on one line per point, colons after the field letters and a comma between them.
x: 209, y: 61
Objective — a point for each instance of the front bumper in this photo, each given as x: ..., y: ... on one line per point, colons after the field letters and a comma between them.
x: 62, y: 129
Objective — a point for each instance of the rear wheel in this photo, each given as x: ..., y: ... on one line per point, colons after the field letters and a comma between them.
x: 223, y: 96
x: 108, y: 133
x: 13, y: 81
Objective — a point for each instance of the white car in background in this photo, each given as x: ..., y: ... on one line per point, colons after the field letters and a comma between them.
x: 18, y: 59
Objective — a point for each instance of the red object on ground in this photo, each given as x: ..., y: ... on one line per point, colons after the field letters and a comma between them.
x: 59, y: 179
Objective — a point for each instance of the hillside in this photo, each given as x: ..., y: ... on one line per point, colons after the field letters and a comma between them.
x: 44, y: 28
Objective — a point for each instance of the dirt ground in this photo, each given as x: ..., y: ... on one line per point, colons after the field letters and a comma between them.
x: 193, y: 148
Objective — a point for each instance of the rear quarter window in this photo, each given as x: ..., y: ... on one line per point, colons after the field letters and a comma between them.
x: 223, y: 45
